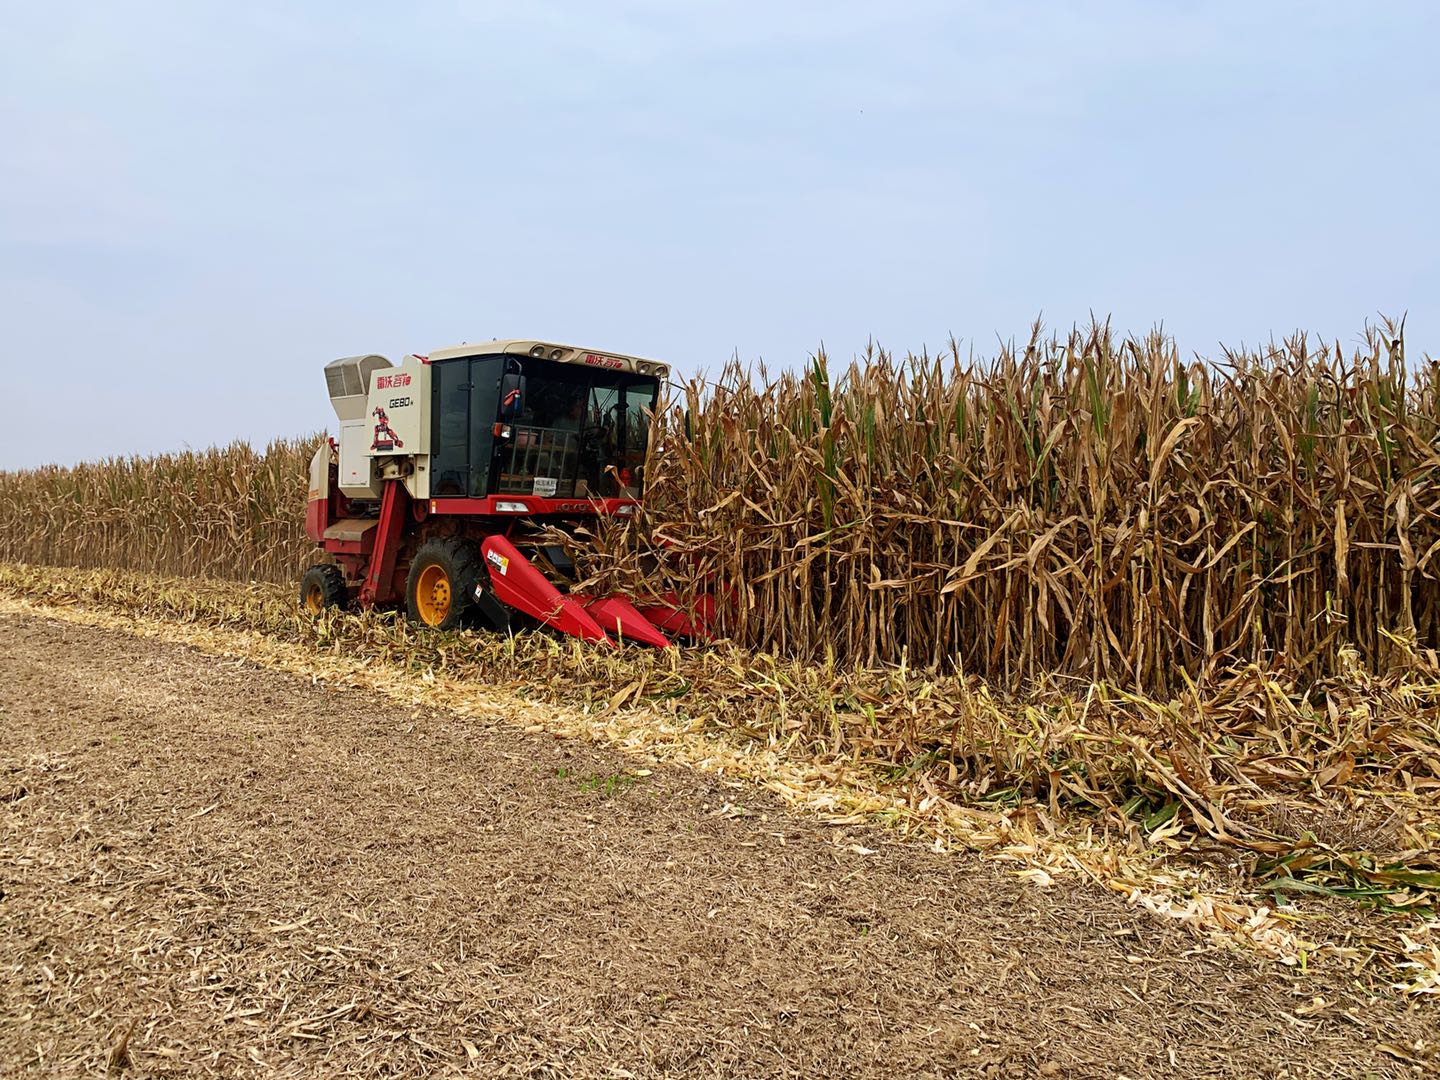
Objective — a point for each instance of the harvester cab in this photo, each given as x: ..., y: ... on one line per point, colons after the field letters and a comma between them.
x: 447, y: 467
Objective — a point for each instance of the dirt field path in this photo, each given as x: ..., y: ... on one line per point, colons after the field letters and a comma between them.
x: 254, y: 875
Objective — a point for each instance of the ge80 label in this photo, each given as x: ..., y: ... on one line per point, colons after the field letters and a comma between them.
x: 400, y: 402
x: 391, y: 382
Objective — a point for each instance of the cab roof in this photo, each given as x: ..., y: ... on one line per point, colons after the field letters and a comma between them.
x: 549, y: 350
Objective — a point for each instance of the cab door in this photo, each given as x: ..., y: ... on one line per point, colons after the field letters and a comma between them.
x: 466, y: 395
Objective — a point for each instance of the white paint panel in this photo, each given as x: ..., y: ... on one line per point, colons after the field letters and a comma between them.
x: 355, y: 455
x: 397, y: 400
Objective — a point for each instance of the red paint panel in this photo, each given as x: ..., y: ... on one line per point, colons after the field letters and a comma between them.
x: 534, y: 505
x: 617, y: 615
x: 317, y: 519
x: 349, y: 547
x: 379, y: 577
x: 519, y: 585
x: 690, y: 619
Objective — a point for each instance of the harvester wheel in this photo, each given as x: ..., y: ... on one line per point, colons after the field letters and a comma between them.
x: 323, y: 587
x: 440, y: 589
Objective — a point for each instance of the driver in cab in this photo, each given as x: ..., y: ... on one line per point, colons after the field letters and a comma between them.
x: 571, y: 417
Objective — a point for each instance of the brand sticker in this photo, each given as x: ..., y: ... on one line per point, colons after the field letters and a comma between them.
x: 385, y: 439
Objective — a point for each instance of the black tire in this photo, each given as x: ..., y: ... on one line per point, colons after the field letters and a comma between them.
x: 457, y: 564
x: 323, y: 587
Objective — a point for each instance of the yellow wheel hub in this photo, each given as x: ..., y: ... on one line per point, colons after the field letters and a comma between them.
x: 432, y: 595
x: 315, y: 600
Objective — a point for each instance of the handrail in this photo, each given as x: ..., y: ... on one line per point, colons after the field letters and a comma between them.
x: 540, y: 453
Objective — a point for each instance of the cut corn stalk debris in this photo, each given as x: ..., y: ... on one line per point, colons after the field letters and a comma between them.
x: 941, y: 757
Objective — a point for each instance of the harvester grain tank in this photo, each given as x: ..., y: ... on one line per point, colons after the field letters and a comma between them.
x: 448, y: 468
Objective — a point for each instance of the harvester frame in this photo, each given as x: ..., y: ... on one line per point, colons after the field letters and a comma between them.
x: 446, y: 466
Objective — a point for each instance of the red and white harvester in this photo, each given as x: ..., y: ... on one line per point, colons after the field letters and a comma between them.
x: 449, y: 464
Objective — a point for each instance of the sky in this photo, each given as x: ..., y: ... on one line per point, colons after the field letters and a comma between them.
x: 203, y: 203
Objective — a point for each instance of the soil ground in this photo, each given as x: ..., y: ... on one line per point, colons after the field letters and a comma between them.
x: 247, y: 873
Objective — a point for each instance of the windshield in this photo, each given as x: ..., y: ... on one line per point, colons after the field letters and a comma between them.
x: 575, y: 432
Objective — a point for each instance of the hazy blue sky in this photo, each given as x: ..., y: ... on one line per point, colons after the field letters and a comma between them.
x: 201, y: 204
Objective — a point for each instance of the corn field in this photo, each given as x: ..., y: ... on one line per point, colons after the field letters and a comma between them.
x: 233, y: 513
x: 1076, y: 506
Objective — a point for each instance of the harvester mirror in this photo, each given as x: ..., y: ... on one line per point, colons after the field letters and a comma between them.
x: 512, y: 390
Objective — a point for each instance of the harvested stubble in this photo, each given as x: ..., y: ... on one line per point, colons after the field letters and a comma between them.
x: 1332, y: 791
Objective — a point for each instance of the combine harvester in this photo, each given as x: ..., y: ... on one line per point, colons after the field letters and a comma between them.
x: 450, y: 464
